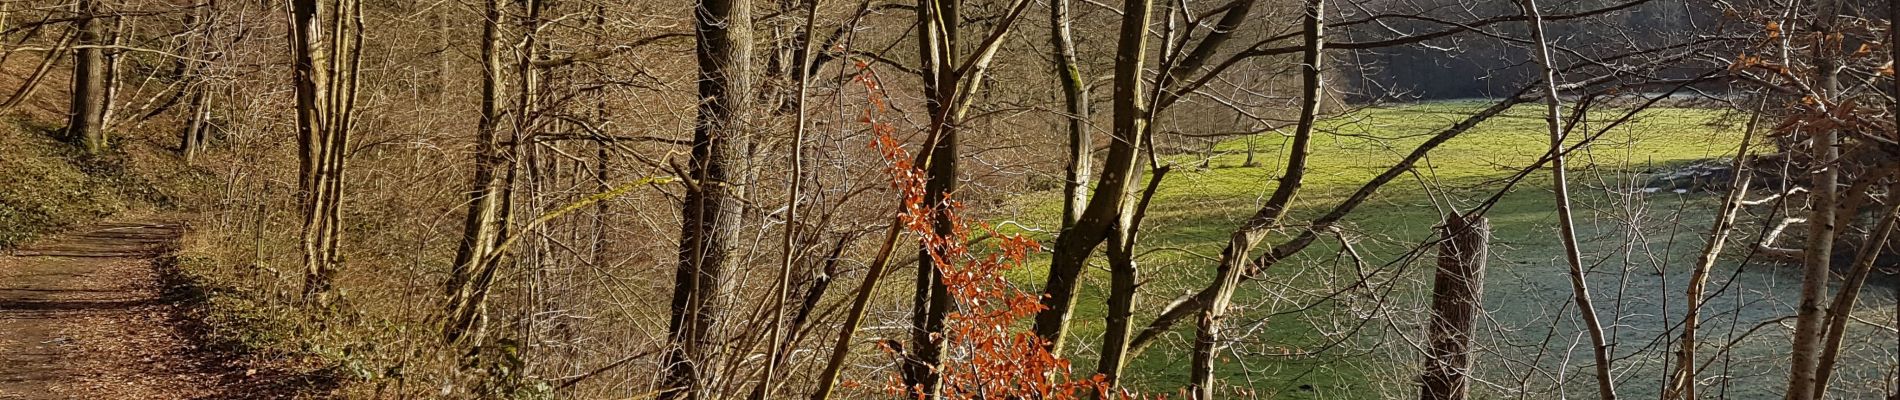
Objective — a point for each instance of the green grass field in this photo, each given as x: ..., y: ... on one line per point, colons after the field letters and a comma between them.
x: 1365, y: 335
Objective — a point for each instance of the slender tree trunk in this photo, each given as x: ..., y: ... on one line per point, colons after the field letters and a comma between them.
x: 1457, y: 299
x: 788, y: 248
x: 937, y: 23
x: 32, y: 83
x: 1566, y: 227
x: 481, y: 227
x: 1843, y: 307
x: 194, y: 135
x: 1825, y: 198
x: 1682, y: 382
x: 112, y: 81
x: 309, y: 77
x: 1075, y: 98
x: 711, y: 209
x: 1235, y: 259
x: 324, y: 78
x: 86, y: 118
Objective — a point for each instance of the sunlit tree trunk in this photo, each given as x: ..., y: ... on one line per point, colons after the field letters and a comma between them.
x: 1075, y: 100
x: 937, y: 45
x: 1825, y: 194
x: 1682, y: 382
x: 1566, y: 227
x: 1105, y: 207
x: 482, y: 226
x: 324, y: 79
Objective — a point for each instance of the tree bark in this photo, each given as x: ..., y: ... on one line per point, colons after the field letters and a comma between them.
x: 937, y: 44
x: 1457, y: 299
x: 482, y: 226
x: 1075, y: 99
x: 85, y: 121
x: 1235, y: 258
x: 711, y: 209
x: 1843, y: 307
x: 324, y: 78
x: 1566, y: 227
x: 1825, y: 195
x: 1105, y: 210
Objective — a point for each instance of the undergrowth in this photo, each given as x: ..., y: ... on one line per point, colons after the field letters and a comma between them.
x: 51, y: 184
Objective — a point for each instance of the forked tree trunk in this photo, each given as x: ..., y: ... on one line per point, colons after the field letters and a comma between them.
x: 1104, y: 211
x: 195, y: 129
x: 1457, y: 299
x: 711, y: 208
x: 324, y: 78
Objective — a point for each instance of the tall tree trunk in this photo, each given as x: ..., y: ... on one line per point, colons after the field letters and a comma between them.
x: 1105, y: 207
x: 937, y: 22
x: 1457, y: 299
x: 113, y: 58
x: 481, y: 228
x: 711, y: 210
x: 86, y: 118
x: 1566, y: 227
x: 1843, y: 307
x: 1075, y: 99
x: 1825, y: 195
x: 324, y: 78
x: 195, y: 129
x: 1235, y: 258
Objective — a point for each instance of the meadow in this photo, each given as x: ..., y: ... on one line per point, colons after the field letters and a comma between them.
x: 1347, y: 321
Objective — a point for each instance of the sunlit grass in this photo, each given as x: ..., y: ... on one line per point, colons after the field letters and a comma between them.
x: 1197, y: 208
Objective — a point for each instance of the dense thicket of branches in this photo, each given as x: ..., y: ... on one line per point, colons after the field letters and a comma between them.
x: 716, y: 198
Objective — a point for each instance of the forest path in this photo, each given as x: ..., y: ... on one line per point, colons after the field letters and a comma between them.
x: 81, y: 317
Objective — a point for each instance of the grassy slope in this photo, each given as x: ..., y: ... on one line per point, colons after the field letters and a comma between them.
x: 1195, y: 210
x: 47, y: 184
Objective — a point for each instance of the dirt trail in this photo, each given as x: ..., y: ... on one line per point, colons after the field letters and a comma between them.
x: 81, y: 318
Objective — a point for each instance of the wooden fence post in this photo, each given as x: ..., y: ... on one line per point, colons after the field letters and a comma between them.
x: 1457, y: 295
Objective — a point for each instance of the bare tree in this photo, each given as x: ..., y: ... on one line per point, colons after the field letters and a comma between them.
x: 711, y: 208
x: 485, y: 225
x: 324, y: 77
x: 1234, y: 258
x: 1457, y: 299
x: 1566, y: 228
x: 1075, y: 100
